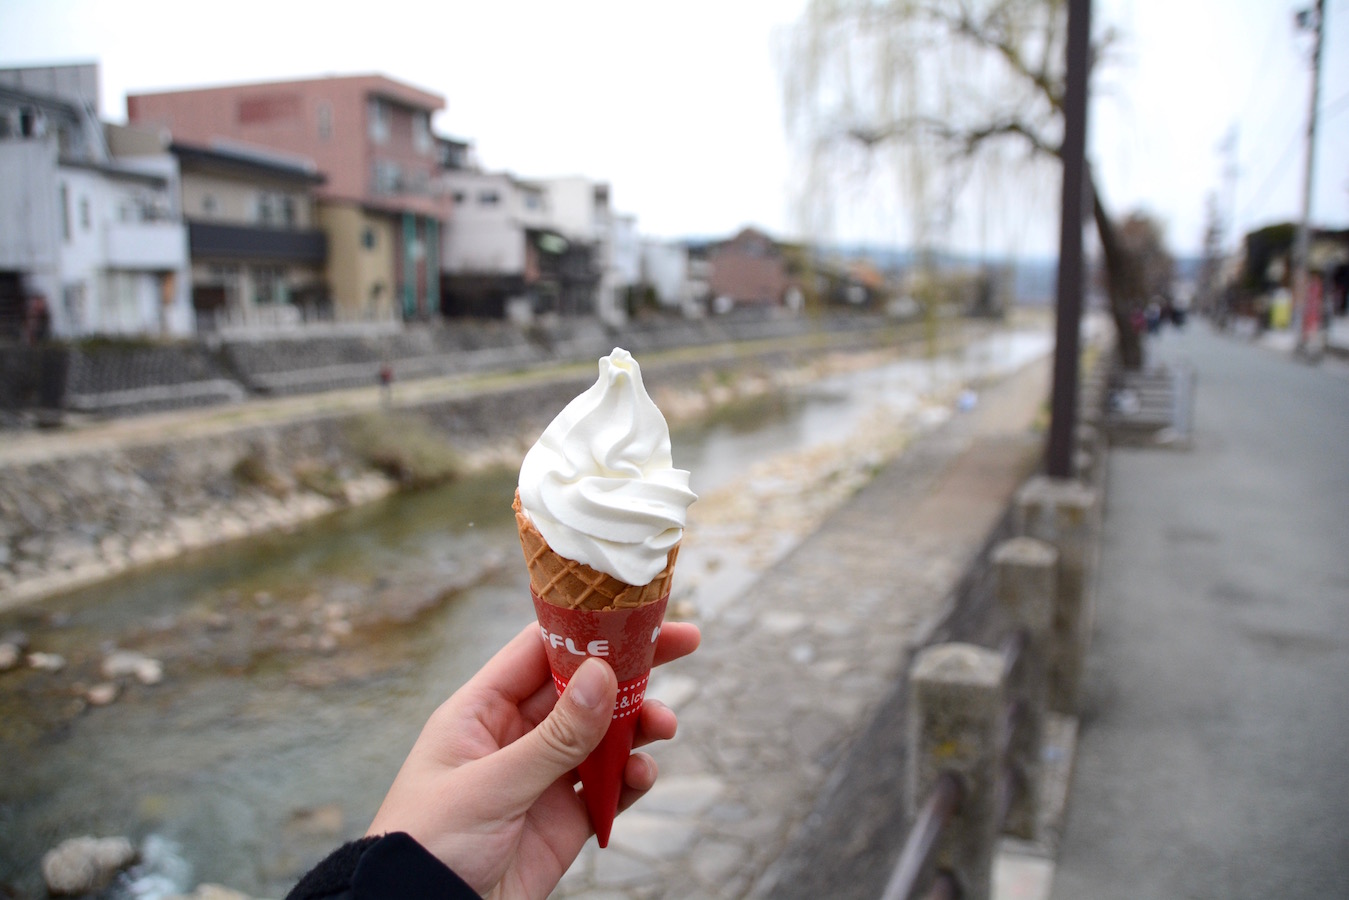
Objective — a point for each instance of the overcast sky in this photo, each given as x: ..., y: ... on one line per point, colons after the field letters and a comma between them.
x: 678, y: 105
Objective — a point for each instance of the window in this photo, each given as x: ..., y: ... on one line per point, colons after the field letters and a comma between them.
x: 421, y: 133
x: 65, y: 212
x: 380, y: 120
x: 288, y: 210
x: 269, y: 285
x: 460, y: 198
x: 488, y: 198
x: 208, y: 204
x: 85, y: 219
x: 387, y: 177
x: 267, y: 212
x: 368, y: 238
x: 325, y: 116
x: 533, y: 200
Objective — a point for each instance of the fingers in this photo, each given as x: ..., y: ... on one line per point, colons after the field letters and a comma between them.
x: 525, y: 768
x: 638, y: 777
x: 518, y: 670
x: 677, y: 639
x: 656, y: 722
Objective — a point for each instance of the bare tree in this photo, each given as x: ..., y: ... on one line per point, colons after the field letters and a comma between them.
x: 947, y: 87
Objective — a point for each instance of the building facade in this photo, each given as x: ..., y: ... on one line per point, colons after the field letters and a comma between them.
x: 505, y: 255
x: 91, y: 237
x: 259, y: 257
x: 370, y: 136
x: 747, y: 270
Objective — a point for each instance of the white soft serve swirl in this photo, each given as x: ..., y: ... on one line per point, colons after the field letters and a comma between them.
x: 600, y: 484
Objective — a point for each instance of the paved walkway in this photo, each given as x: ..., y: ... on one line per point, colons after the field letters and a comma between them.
x: 774, y: 706
x: 1211, y: 754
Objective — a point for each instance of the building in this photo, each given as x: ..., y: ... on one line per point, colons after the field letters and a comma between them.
x: 747, y: 270
x: 91, y: 236
x: 523, y: 249
x: 370, y: 136
x: 258, y: 257
x: 486, y: 244
x: 579, y: 210
x: 672, y: 276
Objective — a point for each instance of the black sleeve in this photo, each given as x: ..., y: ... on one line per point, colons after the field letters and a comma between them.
x: 394, y: 866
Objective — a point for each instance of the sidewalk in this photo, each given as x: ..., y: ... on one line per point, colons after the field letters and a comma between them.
x: 775, y: 706
x: 1216, y: 709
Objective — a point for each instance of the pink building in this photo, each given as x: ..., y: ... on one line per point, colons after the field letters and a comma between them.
x: 370, y: 136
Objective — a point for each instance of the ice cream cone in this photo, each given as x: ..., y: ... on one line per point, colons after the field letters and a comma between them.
x: 583, y: 612
x: 573, y: 585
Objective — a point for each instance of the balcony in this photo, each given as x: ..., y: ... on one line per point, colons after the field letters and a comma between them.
x: 212, y: 240
x: 145, y: 245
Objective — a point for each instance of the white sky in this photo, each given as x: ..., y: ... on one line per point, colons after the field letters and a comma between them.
x: 678, y: 105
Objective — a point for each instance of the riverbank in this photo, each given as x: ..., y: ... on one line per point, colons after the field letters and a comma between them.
x: 95, y: 499
x: 244, y: 753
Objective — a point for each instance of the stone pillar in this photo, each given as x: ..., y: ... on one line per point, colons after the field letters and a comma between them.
x: 1062, y: 513
x: 955, y: 713
x: 1091, y: 462
x: 1026, y: 574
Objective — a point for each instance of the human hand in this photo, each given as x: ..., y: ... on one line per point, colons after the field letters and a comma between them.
x: 489, y: 786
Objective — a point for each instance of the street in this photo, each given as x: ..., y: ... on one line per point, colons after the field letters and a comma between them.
x: 1215, y: 718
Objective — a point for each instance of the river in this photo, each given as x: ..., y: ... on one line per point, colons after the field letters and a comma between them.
x: 299, y: 667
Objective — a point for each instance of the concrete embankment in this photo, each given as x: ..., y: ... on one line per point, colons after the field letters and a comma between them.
x: 89, y: 501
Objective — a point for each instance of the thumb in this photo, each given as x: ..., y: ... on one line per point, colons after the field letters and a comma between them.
x: 563, y: 740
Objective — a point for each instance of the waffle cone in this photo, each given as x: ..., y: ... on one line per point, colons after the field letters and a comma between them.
x: 573, y: 585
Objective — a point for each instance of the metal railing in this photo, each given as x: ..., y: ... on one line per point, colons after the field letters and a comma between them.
x: 941, y: 806
x: 943, y: 803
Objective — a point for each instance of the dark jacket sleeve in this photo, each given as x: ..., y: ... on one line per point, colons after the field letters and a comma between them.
x: 375, y: 868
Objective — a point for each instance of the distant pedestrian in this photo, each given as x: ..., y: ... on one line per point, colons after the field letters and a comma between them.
x: 386, y: 384
x: 37, y: 323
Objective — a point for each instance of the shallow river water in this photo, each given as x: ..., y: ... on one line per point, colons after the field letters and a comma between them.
x: 288, y: 705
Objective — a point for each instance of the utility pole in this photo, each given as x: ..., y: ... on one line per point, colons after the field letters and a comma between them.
x: 1314, y: 20
x: 1068, y: 312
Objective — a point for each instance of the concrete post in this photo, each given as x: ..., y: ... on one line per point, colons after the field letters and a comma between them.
x: 1026, y: 573
x: 955, y: 712
x: 1062, y: 513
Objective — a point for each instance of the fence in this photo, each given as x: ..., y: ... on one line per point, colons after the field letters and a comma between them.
x: 976, y: 721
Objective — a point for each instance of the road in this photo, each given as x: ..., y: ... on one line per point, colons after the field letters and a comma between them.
x: 1215, y: 725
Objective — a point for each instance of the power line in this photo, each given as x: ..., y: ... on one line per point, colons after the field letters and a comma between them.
x: 1278, y: 169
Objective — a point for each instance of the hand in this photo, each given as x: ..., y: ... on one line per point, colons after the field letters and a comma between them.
x: 489, y: 786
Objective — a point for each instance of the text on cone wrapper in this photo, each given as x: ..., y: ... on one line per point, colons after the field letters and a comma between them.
x: 592, y: 648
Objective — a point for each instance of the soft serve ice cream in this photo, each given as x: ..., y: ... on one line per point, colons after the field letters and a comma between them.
x: 600, y: 484
x: 601, y: 510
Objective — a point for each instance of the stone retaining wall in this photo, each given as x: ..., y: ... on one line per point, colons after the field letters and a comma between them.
x: 71, y: 521
x: 114, y: 378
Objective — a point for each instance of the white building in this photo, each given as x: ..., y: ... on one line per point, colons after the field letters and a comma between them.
x: 506, y: 256
x: 98, y: 237
x: 579, y: 209
x: 666, y: 267
x: 492, y: 211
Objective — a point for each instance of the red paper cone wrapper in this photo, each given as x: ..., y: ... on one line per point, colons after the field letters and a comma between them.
x: 626, y: 640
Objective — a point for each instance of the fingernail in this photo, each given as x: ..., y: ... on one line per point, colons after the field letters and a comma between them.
x: 587, y: 684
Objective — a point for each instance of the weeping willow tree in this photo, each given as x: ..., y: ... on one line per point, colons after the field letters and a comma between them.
x: 938, y: 99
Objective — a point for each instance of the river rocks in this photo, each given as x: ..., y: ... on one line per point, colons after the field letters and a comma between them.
x: 47, y: 662
x: 123, y: 663
x: 102, y: 693
x: 83, y: 865
x: 322, y: 821
x: 12, y: 647
x: 211, y: 892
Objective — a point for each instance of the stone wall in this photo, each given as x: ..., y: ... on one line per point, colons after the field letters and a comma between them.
x: 116, y: 378
x: 71, y: 521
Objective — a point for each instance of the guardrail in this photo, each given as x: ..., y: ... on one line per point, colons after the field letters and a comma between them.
x: 977, y: 715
